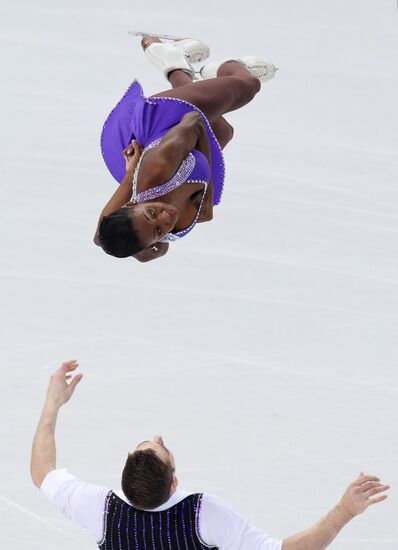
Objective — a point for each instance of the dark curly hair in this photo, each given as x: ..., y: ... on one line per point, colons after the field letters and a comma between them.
x: 117, y: 235
x: 146, y: 479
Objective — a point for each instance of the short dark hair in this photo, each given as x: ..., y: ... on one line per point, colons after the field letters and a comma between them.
x: 146, y: 479
x: 117, y: 235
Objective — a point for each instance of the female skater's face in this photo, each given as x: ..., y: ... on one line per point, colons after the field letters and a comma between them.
x: 153, y: 220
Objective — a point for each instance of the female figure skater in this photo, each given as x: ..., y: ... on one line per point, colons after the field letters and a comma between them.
x: 172, y: 173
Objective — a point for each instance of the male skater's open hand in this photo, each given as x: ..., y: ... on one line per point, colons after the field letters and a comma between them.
x: 361, y: 493
x: 63, y: 383
x: 358, y: 496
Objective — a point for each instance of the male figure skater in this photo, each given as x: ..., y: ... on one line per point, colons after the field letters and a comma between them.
x: 152, y: 512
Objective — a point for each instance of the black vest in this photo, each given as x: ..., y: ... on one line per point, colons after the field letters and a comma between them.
x: 126, y: 528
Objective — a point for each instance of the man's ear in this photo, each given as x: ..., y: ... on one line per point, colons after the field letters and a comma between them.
x: 175, y: 482
x: 130, y: 203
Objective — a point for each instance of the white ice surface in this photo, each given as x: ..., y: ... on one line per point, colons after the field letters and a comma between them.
x: 264, y: 347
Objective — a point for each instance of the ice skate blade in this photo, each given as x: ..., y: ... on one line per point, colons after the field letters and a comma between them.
x: 156, y: 35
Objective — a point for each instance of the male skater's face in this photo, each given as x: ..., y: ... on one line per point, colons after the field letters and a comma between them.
x: 160, y: 449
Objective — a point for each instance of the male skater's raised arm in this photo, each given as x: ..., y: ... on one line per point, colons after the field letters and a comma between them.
x: 151, y: 511
x: 58, y: 393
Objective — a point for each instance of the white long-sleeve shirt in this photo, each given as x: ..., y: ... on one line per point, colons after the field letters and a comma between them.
x: 219, y: 524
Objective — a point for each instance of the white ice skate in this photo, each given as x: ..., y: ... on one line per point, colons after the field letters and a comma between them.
x: 176, y: 53
x: 261, y: 69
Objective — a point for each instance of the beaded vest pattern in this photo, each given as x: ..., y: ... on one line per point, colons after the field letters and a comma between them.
x: 126, y: 528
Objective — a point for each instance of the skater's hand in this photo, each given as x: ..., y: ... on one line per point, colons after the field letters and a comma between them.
x: 361, y: 494
x: 132, y: 155
x: 62, y: 384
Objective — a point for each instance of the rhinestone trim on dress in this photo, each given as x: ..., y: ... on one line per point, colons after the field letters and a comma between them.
x: 181, y: 176
x: 135, y: 196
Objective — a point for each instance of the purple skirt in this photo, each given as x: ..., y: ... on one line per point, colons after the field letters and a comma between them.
x: 145, y: 120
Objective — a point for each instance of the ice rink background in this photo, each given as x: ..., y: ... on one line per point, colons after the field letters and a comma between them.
x: 264, y: 346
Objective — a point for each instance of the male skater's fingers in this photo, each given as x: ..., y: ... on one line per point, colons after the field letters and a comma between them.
x: 363, y: 479
x: 376, y: 491
x: 75, y: 380
x: 369, y: 485
x: 72, y: 364
x: 376, y: 500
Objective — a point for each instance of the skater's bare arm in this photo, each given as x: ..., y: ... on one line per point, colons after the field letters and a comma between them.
x: 357, y: 498
x: 123, y: 193
x: 61, y: 387
x: 162, y: 162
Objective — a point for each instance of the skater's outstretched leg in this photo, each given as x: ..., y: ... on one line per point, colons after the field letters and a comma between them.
x: 233, y: 88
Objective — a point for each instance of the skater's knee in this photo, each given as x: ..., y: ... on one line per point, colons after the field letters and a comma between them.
x: 247, y: 87
x: 253, y: 84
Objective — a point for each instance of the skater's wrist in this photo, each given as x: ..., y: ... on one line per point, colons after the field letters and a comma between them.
x: 130, y: 172
x: 344, y: 511
x: 51, y: 406
x: 132, y: 155
x: 339, y: 516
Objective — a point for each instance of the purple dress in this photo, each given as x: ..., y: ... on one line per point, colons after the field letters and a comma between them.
x: 148, y: 120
